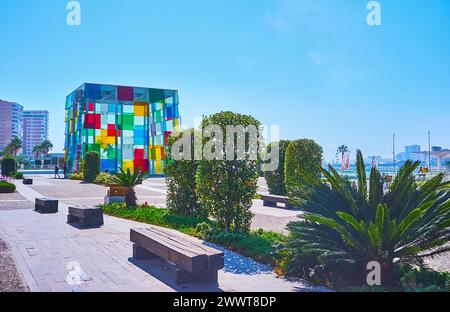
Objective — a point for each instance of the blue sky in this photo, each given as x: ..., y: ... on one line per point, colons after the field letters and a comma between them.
x: 314, y: 67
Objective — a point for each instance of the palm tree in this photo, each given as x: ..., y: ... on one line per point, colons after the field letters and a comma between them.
x: 129, y: 180
x: 46, y: 147
x: 350, y: 224
x: 16, y: 145
x: 342, y: 150
x: 37, y: 151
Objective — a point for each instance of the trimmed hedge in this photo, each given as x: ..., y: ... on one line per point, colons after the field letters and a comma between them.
x: 275, y: 179
x: 302, y: 155
x: 6, y: 187
x: 91, y: 166
x: 9, y: 167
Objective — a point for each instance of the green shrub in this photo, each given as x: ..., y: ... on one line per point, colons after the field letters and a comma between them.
x: 226, y: 188
x: 91, y: 166
x: 350, y: 224
x: 203, y: 230
x: 275, y: 179
x: 424, y: 280
x: 302, y: 156
x: 6, y: 187
x: 79, y: 176
x: 19, y: 176
x: 104, y: 179
x: 180, y: 176
x: 9, y: 167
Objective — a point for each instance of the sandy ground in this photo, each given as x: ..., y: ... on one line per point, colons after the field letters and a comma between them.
x: 10, y: 279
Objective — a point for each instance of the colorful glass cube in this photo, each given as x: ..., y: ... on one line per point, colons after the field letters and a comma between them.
x: 129, y: 127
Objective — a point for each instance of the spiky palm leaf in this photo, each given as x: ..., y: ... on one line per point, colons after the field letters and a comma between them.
x: 349, y: 225
x: 129, y: 180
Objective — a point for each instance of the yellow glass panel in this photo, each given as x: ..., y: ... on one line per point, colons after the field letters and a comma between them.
x: 140, y: 108
x: 158, y: 155
x: 111, y: 140
x: 158, y: 167
x: 128, y: 164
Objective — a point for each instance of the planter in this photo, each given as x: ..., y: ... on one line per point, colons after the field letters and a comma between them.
x: 116, y: 190
x: 114, y: 199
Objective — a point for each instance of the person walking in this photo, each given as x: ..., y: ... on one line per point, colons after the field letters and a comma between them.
x: 57, y: 171
x: 65, y: 171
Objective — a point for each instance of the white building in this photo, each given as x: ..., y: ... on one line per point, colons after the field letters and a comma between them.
x: 35, y: 129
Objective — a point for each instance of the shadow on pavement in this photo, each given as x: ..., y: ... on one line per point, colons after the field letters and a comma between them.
x: 158, y: 268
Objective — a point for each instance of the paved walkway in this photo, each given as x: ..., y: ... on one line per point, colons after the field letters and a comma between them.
x: 153, y: 191
x: 55, y: 256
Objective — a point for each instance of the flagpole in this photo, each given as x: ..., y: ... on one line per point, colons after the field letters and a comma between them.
x: 393, y: 150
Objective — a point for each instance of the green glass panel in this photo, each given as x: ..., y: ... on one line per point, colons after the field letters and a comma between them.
x: 111, y: 153
x: 93, y: 148
x: 128, y: 121
x: 158, y: 116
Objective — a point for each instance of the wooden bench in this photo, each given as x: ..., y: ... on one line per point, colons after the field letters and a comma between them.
x: 46, y: 205
x: 27, y: 181
x: 274, y: 200
x: 85, y: 216
x: 189, y: 259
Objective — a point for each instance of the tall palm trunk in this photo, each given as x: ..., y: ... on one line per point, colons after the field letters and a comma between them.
x: 130, y: 197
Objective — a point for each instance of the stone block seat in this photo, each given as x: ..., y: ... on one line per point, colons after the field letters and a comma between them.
x: 85, y: 216
x: 46, y: 205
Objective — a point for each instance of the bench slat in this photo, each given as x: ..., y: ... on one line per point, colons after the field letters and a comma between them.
x: 215, y: 257
x: 179, y: 249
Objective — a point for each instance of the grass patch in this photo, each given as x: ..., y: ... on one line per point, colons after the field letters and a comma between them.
x: 259, y: 245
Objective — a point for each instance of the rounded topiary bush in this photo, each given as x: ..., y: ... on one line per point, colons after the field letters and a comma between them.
x: 275, y: 179
x: 8, y: 167
x: 6, y: 187
x: 91, y: 166
x: 302, y: 155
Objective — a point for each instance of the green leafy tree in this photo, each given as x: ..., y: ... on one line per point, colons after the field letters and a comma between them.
x: 9, y: 166
x: 8, y: 151
x: 91, y: 166
x: 303, y: 155
x: 350, y: 224
x: 226, y: 188
x: 180, y: 178
x: 129, y: 180
x: 275, y: 179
